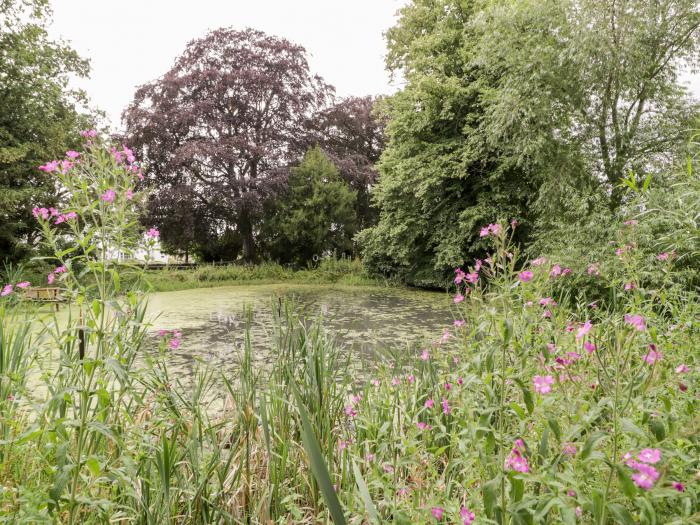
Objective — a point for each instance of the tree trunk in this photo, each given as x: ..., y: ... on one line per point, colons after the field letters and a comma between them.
x: 245, y: 227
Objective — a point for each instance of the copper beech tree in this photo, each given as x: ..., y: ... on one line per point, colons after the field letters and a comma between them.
x: 223, y: 125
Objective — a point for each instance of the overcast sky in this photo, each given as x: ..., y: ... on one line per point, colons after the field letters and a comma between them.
x: 131, y: 42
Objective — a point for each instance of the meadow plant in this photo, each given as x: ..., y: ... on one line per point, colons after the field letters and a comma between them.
x: 531, y: 408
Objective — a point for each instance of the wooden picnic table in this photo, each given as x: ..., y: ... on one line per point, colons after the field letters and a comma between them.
x: 44, y: 295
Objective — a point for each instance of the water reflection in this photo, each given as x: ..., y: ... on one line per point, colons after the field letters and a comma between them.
x: 212, y: 321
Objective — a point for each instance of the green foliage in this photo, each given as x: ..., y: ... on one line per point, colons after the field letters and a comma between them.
x: 315, y: 217
x: 39, y: 118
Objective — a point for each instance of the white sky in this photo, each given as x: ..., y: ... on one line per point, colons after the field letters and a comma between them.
x: 131, y: 42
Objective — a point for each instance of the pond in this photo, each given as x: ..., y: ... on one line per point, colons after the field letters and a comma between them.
x: 364, y: 319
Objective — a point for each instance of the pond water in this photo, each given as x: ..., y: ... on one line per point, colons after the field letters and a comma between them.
x: 212, y: 320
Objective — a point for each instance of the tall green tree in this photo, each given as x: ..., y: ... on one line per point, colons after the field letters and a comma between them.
x: 39, y: 117
x: 440, y: 180
x: 532, y: 109
x: 315, y: 216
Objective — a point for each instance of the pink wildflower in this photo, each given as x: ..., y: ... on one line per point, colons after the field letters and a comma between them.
x: 525, y: 276
x: 467, y: 516
x: 547, y: 301
x: 49, y: 166
x: 437, y: 512
x: 566, y: 271
x: 645, y: 476
x: 129, y: 194
x: 458, y: 298
x: 51, y: 278
x: 583, y: 330
x: 678, y: 486
x: 459, y: 275
x: 423, y: 426
x: 72, y: 154
x: 631, y: 222
x: 24, y: 284
x: 89, y: 133
x: 555, y: 271
x: 516, y: 460
x: 593, y: 270
x: 7, y: 290
x: 543, y: 384
x: 478, y: 264
x: 350, y: 411
x: 446, y: 406
x: 472, y: 278
x: 547, y: 314
x: 653, y: 355
x: 649, y: 455
x: 425, y: 355
x: 429, y: 403
x: 458, y: 323
x: 663, y: 256
x: 539, y: 261
x: 174, y: 343
x: 60, y: 269
x: 569, y: 449
x: 637, y: 321
x: 680, y: 369
x: 491, y: 229
x: 590, y: 347
x: 109, y: 195
x: 630, y: 286
x: 153, y: 233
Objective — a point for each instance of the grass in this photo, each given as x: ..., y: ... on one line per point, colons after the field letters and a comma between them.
x: 317, y: 436
x: 330, y: 271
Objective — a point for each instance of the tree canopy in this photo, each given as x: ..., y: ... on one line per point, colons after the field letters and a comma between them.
x: 533, y: 111
x: 39, y: 117
x: 223, y: 124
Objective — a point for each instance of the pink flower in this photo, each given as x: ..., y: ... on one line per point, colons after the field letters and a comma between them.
x: 547, y: 314
x: 543, y: 384
x: 437, y: 512
x: 153, y: 233
x: 593, y: 270
x: 174, y: 343
x: 682, y: 387
x: 425, y: 355
x: 516, y: 460
x: 663, y: 256
x: 446, y: 406
x: 467, y: 516
x: 678, y: 486
x: 388, y: 468
x: 60, y: 269
x: 539, y: 261
x: 551, y: 347
x: 653, y: 355
x: 472, y: 278
x: 109, y: 195
x: 24, y: 284
x: 566, y: 271
x: 649, y: 455
x: 71, y: 215
x: 129, y: 154
x: 376, y: 382
x: 478, y: 264
x: 459, y: 275
x: 72, y: 154
x: 590, y: 347
x: 637, y: 321
x: 350, y: 411
x: 342, y: 445
x: 423, y: 426
x: 680, y: 369
x: 395, y: 381
x: 66, y: 165
x: 370, y: 457
x: 458, y: 323
x: 429, y: 403
x: 555, y: 271
x: 491, y: 229
x: 645, y: 477
x: 129, y: 194
x: 569, y: 449
x: 51, y: 278
x: 630, y: 286
x: 458, y: 298
x: 547, y: 301
x: 403, y: 491
x: 40, y: 212
x: 89, y: 133
x: 448, y: 386
x: 631, y: 222
x: 7, y: 290
x: 525, y: 276
x: 583, y: 330
x: 49, y: 166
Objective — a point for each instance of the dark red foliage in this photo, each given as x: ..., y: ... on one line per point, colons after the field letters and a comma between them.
x: 225, y: 122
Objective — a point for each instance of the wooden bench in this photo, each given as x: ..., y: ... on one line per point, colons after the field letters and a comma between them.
x: 44, y: 295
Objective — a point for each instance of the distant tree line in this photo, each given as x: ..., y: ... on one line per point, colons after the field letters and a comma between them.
x: 534, y: 111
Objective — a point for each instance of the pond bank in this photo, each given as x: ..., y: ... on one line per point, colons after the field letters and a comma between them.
x: 343, y: 272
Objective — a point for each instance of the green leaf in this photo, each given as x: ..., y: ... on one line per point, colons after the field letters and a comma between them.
x: 93, y: 466
x: 318, y: 465
x: 590, y: 443
x: 554, y: 425
x: 364, y: 493
x: 490, y: 495
x: 626, y: 483
x: 621, y: 514
x: 658, y: 429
